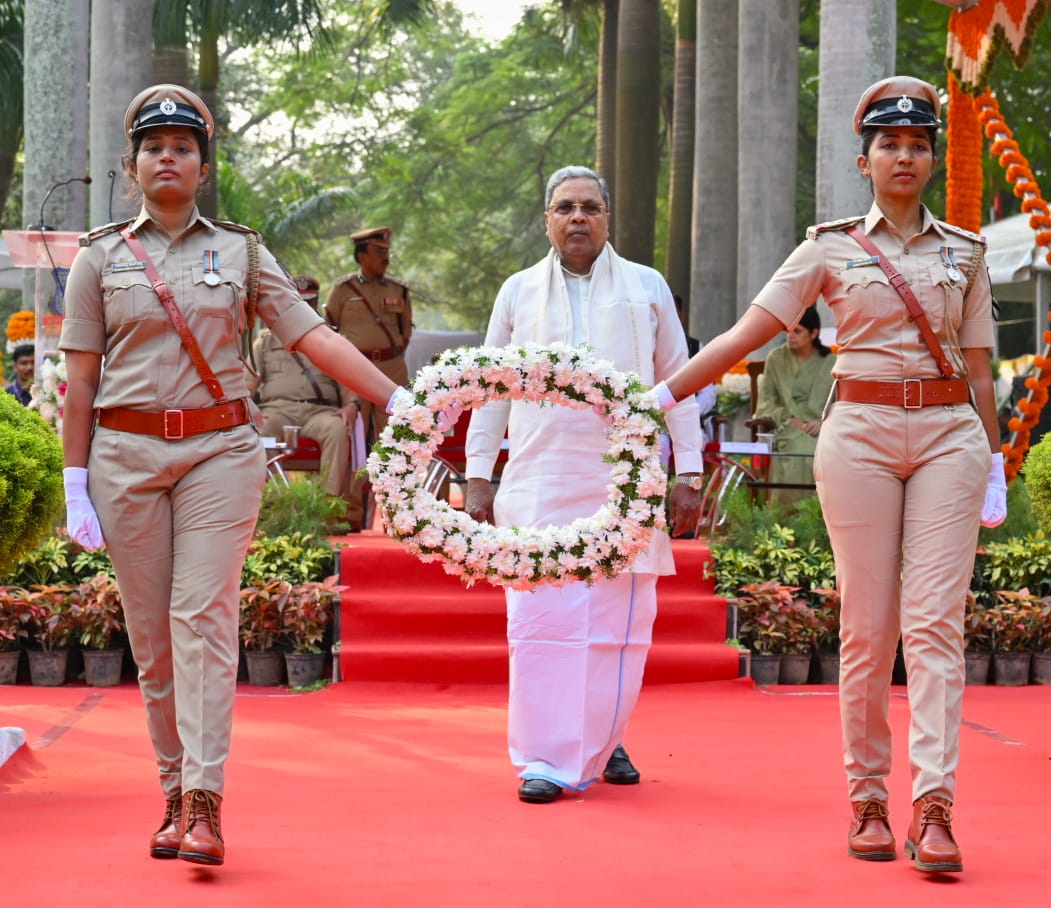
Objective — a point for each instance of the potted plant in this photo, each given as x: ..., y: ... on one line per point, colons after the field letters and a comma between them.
x: 1013, y: 622
x: 977, y: 640
x: 12, y: 631
x: 826, y: 639
x: 305, y: 619
x: 774, y: 622
x: 98, y: 615
x: 1040, y: 664
x: 49, y: 612
x: 259, y: 627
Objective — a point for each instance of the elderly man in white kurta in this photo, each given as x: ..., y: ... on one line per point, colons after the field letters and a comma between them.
x: 578, y: 652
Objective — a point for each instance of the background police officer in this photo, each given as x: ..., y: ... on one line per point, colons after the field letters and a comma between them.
x: 372, y: 311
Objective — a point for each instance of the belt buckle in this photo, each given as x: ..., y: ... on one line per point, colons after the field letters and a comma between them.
x: 918, y: 383
x: 168, y: 433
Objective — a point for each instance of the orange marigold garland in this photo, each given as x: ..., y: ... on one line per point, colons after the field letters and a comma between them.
x: 1025, y: 187
x: 963, y: 161
x: 21, y: 329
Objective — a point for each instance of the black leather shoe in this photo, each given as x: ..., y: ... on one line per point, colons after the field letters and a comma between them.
x: 620, y: 770
x: 539, y: 791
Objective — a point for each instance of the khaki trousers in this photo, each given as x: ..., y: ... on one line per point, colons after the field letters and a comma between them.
x: 902, y: 493
x: 325, y: 426
x: 374, y: 418
x: 178, y: 518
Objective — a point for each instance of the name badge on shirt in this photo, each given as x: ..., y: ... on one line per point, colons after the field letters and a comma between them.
x: 859, y: 263
x: 128, y: 266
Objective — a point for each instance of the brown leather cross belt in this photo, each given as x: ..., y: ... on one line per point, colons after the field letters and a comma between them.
x: 911, y: 393
x: 382, y: 354
x: 175, y: 424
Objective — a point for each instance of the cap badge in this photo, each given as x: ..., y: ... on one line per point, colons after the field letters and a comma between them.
x: 168, y: 107
x: 904, y: 103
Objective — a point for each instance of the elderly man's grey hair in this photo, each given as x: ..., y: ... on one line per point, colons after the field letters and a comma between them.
x: 571, y: 173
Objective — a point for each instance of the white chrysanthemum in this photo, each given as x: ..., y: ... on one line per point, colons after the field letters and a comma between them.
x: 524, y: 558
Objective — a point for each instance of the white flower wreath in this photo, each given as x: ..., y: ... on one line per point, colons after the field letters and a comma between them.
x: 602, y: 545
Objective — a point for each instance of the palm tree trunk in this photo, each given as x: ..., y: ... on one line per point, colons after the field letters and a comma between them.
x: 606, y: 132
x: 768, y: 78
x: 638, y: 119
x: 680, y: 189
x: 713, y: 278
x: 208, y: 84
x: 858, y: 39
x: 120, y: 56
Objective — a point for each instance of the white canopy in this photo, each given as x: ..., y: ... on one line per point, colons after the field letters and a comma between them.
x: 1013, y: 256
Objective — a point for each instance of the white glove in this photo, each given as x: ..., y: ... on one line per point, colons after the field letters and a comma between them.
x: 449, y: 417
x: 81, y: 519
x: 994, y: 511
x: 400, y: 395
x: 665, y: 399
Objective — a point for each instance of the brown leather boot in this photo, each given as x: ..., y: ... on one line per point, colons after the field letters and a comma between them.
x: 930, y: 843
x: 202, y: 837
x: 165, y: 841
x: 870, y: 838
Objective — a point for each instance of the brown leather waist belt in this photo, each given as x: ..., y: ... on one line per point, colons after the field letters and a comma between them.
x: 911, y: 393
x: 383, y: 354
x: 175, y: 424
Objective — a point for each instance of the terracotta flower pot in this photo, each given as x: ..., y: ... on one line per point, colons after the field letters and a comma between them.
x: 266, y: 668
x: 102, y: 667
x: 795, y: 668
x: 47, y: 668
x: 1011, y: 669
x: 766, y: 667
x: 1040, y: 668
x: 977, y: 667
x: 304, y: 669
x: 9, y: 666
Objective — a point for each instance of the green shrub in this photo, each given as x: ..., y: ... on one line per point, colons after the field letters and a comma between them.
x: 301, y: 508
x: 1037, y: 469
x: 1021, y: 519
x: 1017, y: 564
x: 295, y: 557
x: 30, y: 480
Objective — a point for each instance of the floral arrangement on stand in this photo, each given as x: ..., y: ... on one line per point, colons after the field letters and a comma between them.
x: 602, y: 545
x: 21, y: 329
x: 734, y: 391
x: 49, y: 391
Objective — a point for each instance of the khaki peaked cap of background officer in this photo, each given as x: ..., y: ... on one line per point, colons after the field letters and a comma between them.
x: 898, y: 101
x: 381, y: 236
x: 167, y: 105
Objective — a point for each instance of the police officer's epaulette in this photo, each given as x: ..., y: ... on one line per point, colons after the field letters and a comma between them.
x: 86, y: 239
x: 237, y: 228
x: 966, y: 234
x: 841, y: 224
x: 344, y: 278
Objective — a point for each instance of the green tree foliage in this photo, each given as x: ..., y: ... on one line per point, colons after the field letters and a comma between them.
x: 438, y: 134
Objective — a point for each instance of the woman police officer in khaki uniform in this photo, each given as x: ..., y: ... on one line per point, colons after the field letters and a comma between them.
x: 903, y: 465
x: 174, y: 467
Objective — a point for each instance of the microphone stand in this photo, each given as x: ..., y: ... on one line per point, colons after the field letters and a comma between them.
x: 60, y: 287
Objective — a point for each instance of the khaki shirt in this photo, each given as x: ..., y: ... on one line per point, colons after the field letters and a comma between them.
x: 283, y: 379
x: 388, y: 307
x: 875, y: 337
x: 112, y: 309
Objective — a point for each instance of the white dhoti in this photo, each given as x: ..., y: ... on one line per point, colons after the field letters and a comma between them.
x: 577, y: 658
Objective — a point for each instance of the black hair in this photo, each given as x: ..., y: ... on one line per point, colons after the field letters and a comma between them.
x: 812, y: 322
x: 23, y: 350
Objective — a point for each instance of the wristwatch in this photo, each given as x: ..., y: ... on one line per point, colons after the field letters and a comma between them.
x: 694, y: 480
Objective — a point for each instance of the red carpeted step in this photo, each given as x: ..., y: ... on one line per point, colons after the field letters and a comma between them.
x: 404, y: 620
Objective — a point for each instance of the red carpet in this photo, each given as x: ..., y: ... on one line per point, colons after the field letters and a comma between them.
x: 403, y: 620
x: 383, y: 796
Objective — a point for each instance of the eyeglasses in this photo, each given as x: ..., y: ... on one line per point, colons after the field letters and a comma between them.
x: 588, y: 209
